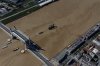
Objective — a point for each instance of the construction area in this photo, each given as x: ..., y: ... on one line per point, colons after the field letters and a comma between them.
x: 53, y: 27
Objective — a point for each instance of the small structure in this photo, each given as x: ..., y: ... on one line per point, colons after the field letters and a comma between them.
x: 40, y: 33
x: 52, y: 26
x: 16, y: 49
x: 4, y: 47
x: 45, y: 2
x: 97, y: 40
x: 22, y: 51
x: 95, y: 50
x: 16, y: 2
x: 5, y: 9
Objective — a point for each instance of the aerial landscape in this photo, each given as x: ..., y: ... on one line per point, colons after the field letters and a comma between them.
x: 49, y: 32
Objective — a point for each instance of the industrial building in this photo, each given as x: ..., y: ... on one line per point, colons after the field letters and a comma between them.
x: 9, y: 9
x: 85, y: 51
x: 5, y: 8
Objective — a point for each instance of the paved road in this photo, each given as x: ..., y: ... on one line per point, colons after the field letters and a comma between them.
x: 5, y: 28
x: 31, y: 46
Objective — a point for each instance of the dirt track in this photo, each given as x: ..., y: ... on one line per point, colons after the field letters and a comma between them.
x: 73, y: 18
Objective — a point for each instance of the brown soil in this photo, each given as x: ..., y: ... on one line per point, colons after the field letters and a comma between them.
x: 73, y: 18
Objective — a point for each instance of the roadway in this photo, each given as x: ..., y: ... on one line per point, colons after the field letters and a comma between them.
x: 30, y: 45
x: 5, y: 28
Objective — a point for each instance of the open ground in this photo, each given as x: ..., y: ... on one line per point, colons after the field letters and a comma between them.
x: 72, y: 18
